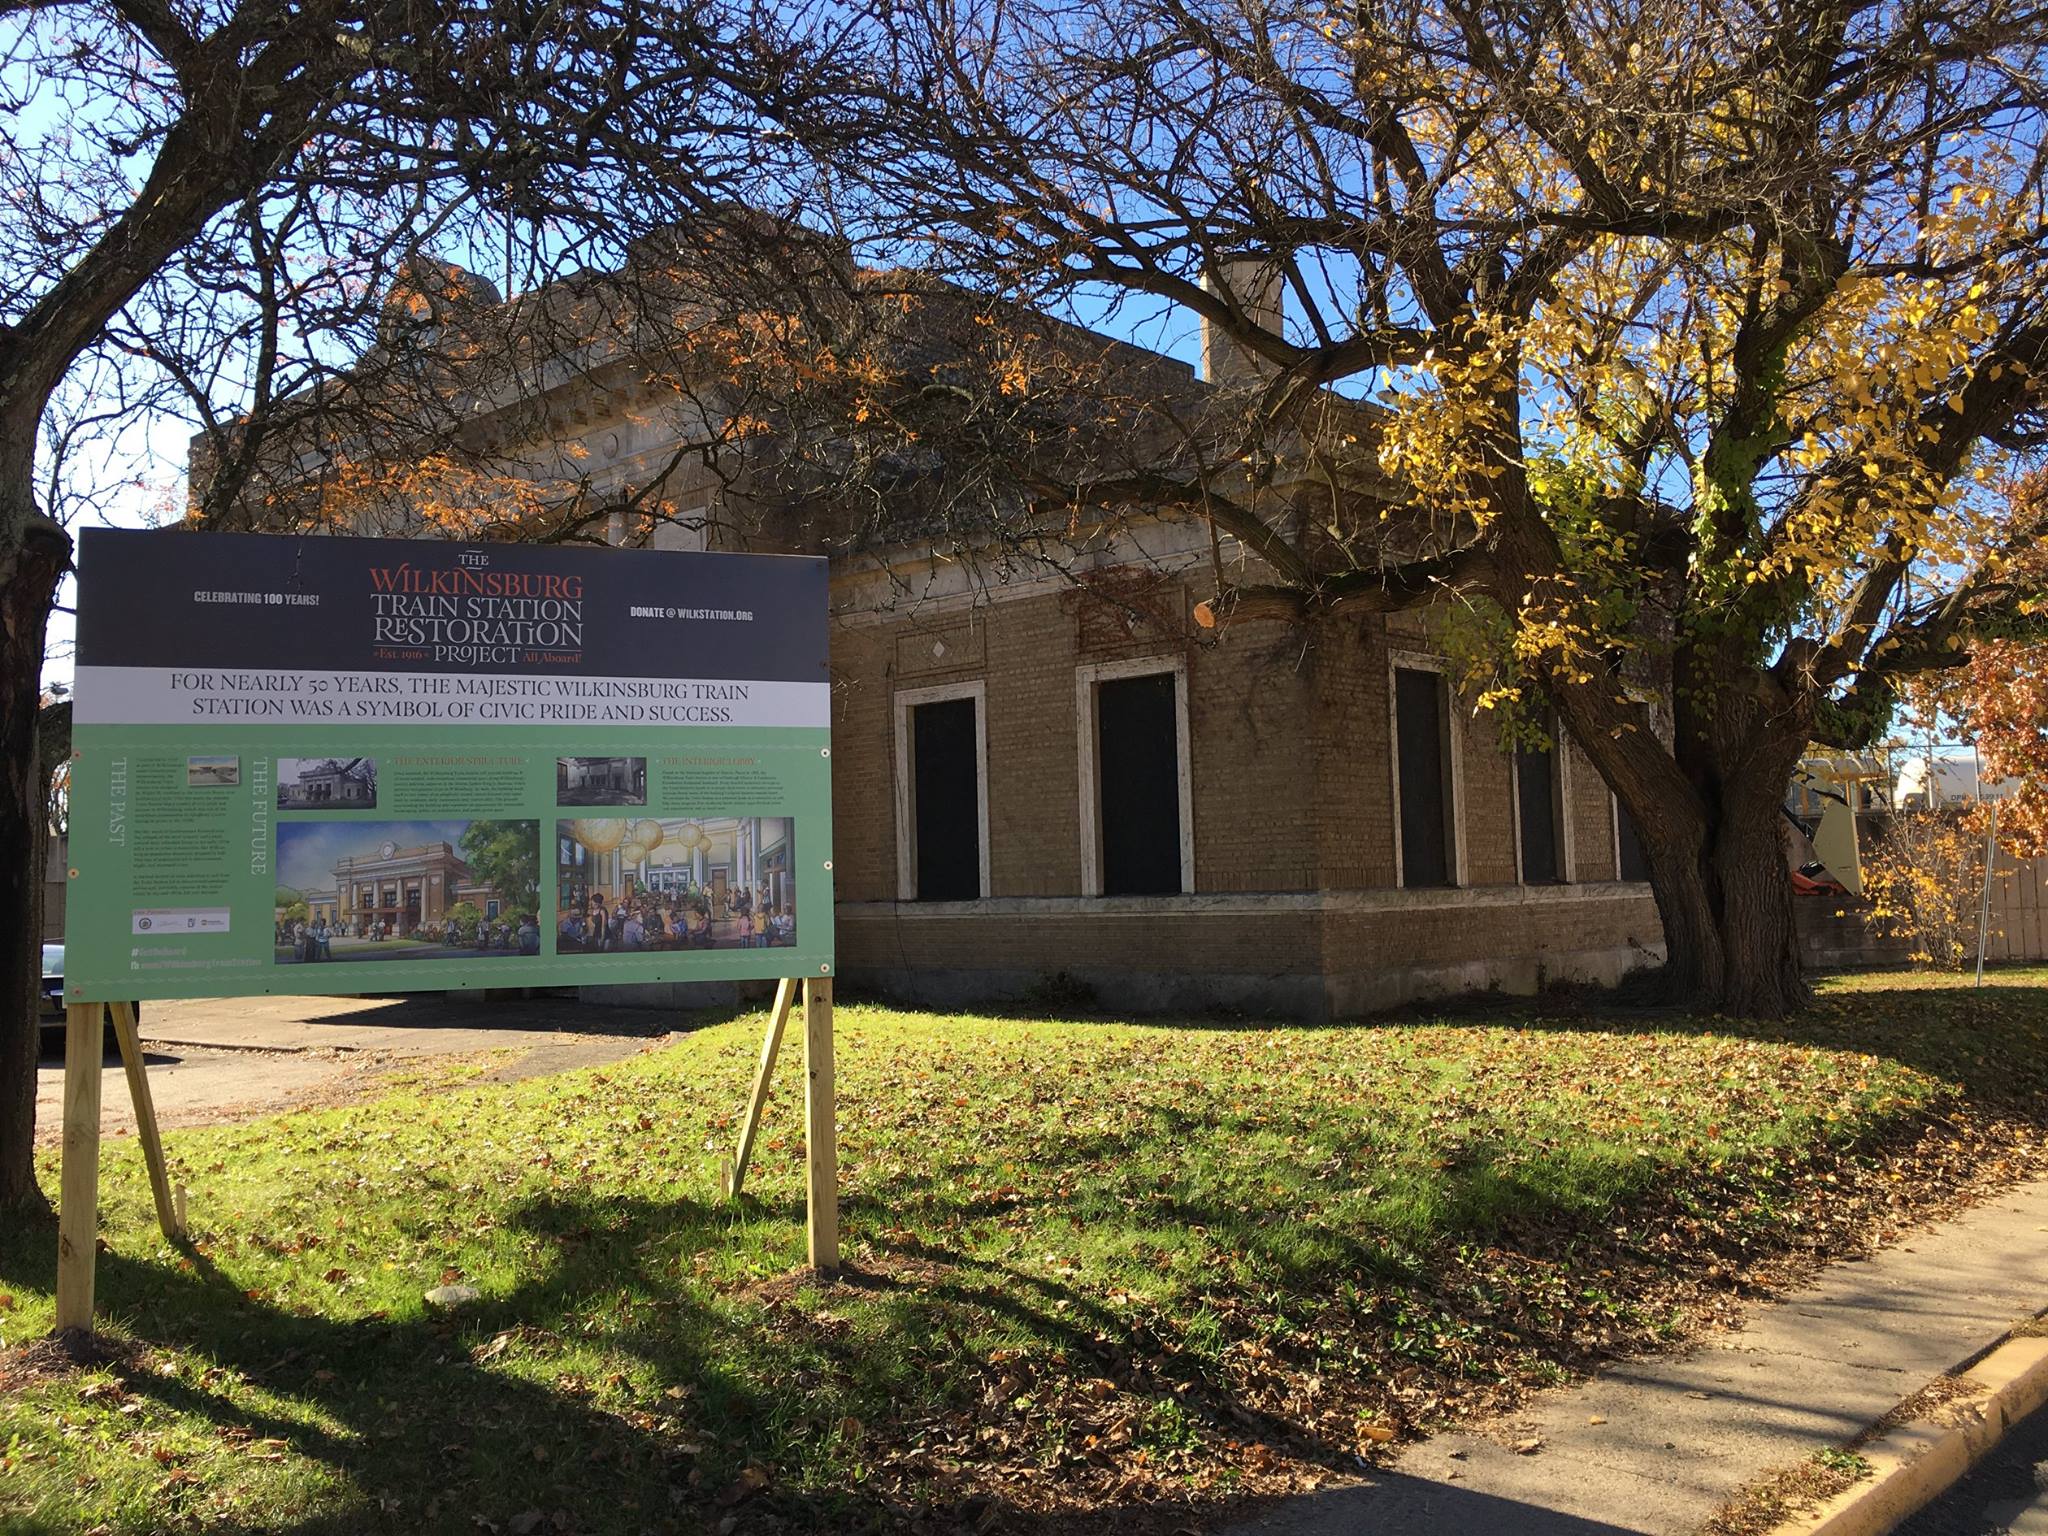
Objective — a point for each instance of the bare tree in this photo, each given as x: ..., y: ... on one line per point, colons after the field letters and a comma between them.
x: 211, y: 204
x: 1671, y: 339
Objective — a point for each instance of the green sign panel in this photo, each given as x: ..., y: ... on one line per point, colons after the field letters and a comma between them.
x: 372, y: 765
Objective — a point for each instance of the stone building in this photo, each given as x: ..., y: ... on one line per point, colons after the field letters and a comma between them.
x: 1028, y: 786
x: 328, y: 783
x: 405, y: 888
x: 1050, y: 773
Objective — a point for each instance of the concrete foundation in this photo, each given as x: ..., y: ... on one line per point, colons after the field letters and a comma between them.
x: 1308, y: 955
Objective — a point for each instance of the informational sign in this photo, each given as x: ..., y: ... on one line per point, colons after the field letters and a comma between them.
x: 334, y: 765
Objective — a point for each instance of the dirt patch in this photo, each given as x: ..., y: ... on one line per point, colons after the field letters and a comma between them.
x: 873, y: 1271
x: 565, y: 1056
x: 224, y: 1082
x: 66, y: 1354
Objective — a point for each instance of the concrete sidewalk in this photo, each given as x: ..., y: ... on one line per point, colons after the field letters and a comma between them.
x: 1653, y: 1448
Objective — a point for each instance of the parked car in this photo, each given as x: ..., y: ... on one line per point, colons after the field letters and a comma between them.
x: 51, y: 1010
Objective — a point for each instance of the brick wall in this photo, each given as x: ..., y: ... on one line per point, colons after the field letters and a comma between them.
x: 1293, y: 808
x: 863, y: 817
x: 1034, y: 795
x: 1257, y: 807
x: 1353, y: 778
x: 1513, y: 938
x: 1592, y: 817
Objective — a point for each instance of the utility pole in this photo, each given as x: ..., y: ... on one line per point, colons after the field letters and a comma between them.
x: 1984, y: 904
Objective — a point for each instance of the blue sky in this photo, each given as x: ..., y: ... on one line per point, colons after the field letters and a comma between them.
x: 307, y: 850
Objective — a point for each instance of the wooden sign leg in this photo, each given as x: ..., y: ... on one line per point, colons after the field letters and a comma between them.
x: 734, y: 1174
x: 78, y: 1213
x: 145, y: 1121
x: 821, y: 1130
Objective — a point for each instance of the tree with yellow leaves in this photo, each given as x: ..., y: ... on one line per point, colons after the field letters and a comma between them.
x: 1924, y: 879
x: 1674, y: 340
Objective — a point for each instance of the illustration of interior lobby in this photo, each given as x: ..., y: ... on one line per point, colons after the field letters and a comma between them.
x: 628, y: 884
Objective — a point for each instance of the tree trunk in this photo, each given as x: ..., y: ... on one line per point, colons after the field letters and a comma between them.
x: 1725, y: 896
x: 1761, y: 973
x: 28, y: 585
x: 1707, y: 802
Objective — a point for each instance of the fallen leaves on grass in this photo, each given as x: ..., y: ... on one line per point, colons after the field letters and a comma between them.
x: 752, y: 1480
x: 1150, y: 1269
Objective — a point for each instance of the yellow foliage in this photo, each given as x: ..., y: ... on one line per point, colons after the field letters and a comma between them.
x: 1925, y: 881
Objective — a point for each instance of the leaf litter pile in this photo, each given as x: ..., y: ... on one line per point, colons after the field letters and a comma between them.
x: 1100, y: 1276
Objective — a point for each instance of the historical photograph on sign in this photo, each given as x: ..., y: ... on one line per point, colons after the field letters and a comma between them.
x: 600, y: 781
x: 327, y: 784
x: 212, y: 772
x: 406, y: 890
x: 627, y: 886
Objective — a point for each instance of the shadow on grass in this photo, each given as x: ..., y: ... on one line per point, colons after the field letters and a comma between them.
x: 435, y: 1424
x: 1992, y: 1044
x: 432, y: 1421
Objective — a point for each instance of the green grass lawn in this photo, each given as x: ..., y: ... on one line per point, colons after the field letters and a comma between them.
x: 1092, y: 1265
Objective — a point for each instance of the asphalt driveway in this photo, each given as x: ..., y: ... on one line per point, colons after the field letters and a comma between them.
x: 228, y: 1059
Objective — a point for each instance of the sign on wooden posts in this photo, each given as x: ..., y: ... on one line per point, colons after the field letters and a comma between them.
x: 347, y: 765
x: 331, y: 765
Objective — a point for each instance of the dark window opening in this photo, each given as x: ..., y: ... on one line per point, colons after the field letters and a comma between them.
x: 1635, y: 864
x: 1138, y: 773
x: 1537, y: 808
x: 1423, y: 767
x: 945, y: 794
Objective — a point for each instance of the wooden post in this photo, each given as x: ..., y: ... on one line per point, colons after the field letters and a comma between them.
x: 130, y: 1041
x: 821, y: 1131
x: 734, y: 1175
x: 78, y: 1213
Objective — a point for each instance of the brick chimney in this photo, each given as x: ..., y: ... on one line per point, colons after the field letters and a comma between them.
x: 1253, y: 282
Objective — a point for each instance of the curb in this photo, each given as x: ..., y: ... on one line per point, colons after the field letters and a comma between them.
x: 1918, y: 1458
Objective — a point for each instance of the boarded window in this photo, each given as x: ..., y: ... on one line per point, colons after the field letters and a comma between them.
x: 1423, y: 769
x: 1138, y: 770
x: 945, y: 795
x: 1539, y: 808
